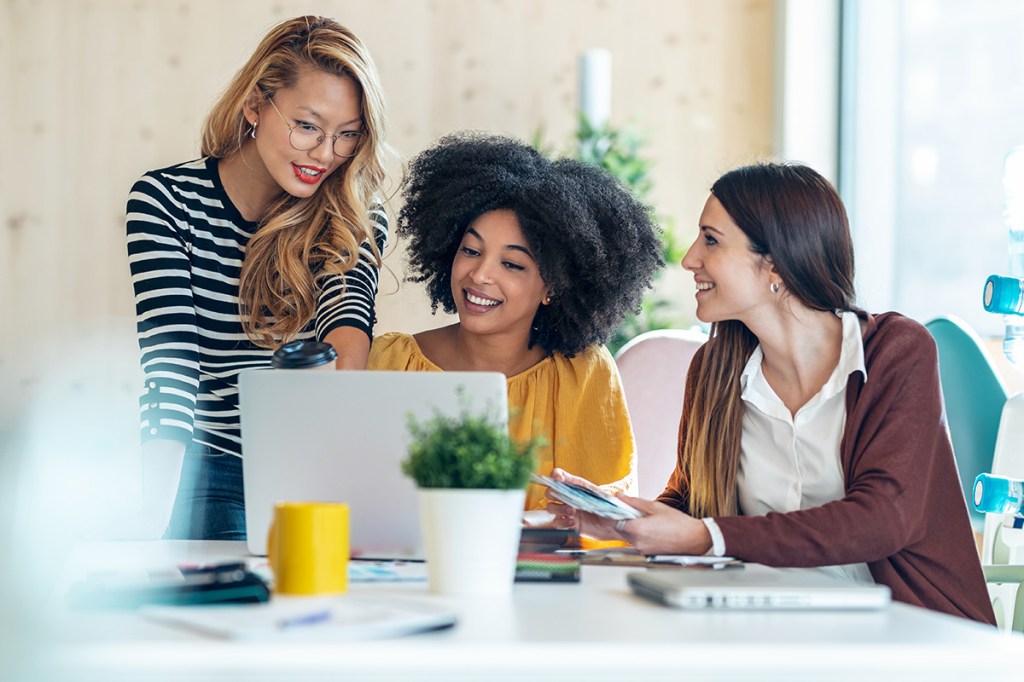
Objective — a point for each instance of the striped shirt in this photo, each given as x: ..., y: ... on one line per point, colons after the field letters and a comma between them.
x: 186, y: 244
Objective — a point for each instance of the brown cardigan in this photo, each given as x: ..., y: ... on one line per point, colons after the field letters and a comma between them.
x: 904, y: 512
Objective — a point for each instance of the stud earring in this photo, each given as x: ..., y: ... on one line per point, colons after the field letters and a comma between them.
x: 774, y: 287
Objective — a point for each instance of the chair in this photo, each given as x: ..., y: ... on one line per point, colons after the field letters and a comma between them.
x: 974, y: 396
x: 653, y: 368
x: 1002, y: 549
x: 988, y: 435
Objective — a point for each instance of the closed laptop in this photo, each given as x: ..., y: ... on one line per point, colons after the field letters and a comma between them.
x: 752, y: 586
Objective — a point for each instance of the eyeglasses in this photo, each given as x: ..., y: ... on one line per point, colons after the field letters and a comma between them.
x: 305, y: 136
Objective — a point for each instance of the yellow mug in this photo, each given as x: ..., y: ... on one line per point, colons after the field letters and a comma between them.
x: 308, y: 548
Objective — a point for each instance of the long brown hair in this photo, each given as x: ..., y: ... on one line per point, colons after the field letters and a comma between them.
x: 301, y: 240
x: 793, y: 216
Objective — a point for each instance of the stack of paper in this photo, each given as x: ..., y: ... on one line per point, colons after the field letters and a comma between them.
x: 328, y: 618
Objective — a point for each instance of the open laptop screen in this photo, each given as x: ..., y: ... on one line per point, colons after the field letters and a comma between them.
x: 339, y: 436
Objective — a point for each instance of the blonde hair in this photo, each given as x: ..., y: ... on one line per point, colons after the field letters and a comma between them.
x: 300, y: 241
x: 710, y: 450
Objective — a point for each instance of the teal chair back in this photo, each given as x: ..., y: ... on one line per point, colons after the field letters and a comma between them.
x: 974, y: 396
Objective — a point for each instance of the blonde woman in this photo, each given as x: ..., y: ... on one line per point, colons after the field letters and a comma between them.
x: 812, y: 432
x: 274, y: 235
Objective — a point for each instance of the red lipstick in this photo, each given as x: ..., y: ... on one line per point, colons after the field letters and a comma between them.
x: 308, y: 174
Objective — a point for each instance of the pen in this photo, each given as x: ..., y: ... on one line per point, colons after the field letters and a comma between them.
x: 305, y: 619
x: 694, y: 562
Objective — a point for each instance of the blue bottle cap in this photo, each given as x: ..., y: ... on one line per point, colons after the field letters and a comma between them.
x: 1002, y: 295
x: 994, y: 495
x: 991, y: 494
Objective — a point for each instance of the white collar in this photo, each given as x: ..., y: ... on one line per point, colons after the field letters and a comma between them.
x: 851, y: 359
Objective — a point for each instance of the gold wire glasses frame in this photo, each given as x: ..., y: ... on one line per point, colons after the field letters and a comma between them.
x: 305, y: 136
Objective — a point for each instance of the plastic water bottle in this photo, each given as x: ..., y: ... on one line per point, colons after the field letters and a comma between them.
x: 1004, y: 295
x: 1013, y: 215
x: 998, y: 495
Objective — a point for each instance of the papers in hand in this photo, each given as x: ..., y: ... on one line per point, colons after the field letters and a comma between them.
x: 309, y: 618
x: 593, y: 501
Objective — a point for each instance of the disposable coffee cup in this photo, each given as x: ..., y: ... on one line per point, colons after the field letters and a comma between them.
x: 304, y: 355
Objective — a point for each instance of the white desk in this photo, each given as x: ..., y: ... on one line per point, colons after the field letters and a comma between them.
x: 594, y: 630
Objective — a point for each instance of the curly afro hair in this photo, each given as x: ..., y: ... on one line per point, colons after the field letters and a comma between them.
x: 595, y: 245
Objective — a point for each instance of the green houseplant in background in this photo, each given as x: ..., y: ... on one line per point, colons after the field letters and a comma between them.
x: 472, y: 478
x: 469, y: 451
x: 620, y: 152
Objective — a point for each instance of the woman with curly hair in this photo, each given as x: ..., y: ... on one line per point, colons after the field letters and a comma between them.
x: 274, y: 235
x: 541, y: 260
x: 812, y: 433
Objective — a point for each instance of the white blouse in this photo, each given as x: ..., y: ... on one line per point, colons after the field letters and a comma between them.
x: 791, y: 462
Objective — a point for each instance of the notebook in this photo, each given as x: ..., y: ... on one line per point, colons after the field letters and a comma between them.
x: 332, y: 436
x: 752, y: 586
x: 352, y: 617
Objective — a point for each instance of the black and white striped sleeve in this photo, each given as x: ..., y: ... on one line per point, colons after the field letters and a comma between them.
x: 158, y: 256
x: 356, y: 306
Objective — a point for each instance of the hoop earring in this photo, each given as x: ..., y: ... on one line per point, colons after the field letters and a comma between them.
x: 774, y: 287
x: 252, y: 131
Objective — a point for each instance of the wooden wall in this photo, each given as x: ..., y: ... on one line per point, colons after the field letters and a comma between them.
x: 98, y: 91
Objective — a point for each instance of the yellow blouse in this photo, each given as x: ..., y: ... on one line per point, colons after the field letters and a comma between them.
x: 576, y: 404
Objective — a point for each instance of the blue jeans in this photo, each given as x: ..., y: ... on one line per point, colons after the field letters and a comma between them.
x: 210, y: 504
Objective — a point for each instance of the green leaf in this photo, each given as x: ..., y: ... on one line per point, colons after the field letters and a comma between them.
x: 467, y: 451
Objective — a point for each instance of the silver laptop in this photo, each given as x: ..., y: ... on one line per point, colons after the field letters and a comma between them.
x: 333, y: 436
x: 752, y: 586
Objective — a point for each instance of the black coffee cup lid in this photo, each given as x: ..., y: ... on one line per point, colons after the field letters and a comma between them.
x: 303, y: 354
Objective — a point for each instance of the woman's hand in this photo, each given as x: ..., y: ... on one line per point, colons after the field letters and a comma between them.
x: 662, y: 530
x: 538, y: 518
x: 568, y: 517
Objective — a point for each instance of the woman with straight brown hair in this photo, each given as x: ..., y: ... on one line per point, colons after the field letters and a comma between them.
x: 812, y: 433
x: 274, y: 235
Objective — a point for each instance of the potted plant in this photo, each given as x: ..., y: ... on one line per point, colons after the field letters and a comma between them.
x: 471, y: 477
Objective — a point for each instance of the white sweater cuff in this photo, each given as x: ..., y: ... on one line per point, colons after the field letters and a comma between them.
x: 717, y: 541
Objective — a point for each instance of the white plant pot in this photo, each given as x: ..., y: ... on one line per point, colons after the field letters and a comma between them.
x: 471, y: 539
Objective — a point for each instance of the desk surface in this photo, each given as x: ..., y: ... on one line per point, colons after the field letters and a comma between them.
x: 593, y: 630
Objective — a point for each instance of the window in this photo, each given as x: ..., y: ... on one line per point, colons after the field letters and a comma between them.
x: 932, y: 99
